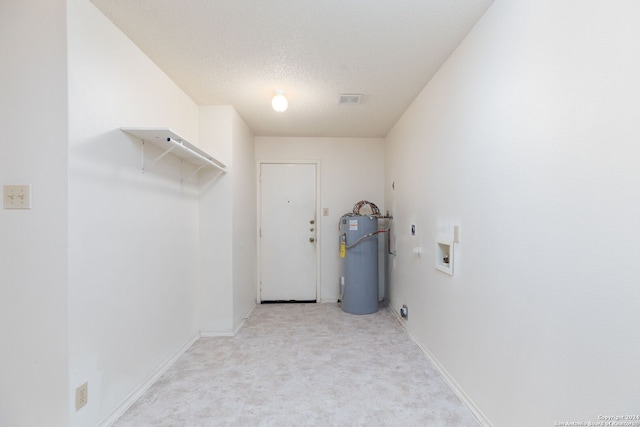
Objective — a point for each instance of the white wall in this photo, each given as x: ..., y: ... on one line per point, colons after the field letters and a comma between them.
x: 33, y: 243
x: 527, y: 139
x: 133, y: 237
x: 244, y: 220
x: 351, y: 169
x: 215, y: 298
x: 227, y: 223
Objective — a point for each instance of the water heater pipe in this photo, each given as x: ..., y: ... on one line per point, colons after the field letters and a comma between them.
x: 365, y: 237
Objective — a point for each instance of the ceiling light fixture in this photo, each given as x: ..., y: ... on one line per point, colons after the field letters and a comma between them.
x: 279, y: 102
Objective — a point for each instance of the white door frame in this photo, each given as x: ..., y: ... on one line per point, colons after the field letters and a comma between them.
x: 259, y: 163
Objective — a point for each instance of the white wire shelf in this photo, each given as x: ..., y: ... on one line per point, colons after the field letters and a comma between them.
x: 172, y: 143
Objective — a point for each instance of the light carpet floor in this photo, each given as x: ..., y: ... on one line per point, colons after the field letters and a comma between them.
x: 303, y: 365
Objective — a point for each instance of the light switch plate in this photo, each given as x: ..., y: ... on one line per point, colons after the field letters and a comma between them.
x: 17, y: 196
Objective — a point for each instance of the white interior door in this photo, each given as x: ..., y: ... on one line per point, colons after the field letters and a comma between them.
x: 288, y: 232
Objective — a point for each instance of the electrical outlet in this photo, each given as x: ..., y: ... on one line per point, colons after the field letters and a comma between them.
x: 82, y: 395
x: 404, y: 312
x: 17, y: 196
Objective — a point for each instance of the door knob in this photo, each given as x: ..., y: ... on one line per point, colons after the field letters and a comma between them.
x: 311, y: 239
x: 312, y: 222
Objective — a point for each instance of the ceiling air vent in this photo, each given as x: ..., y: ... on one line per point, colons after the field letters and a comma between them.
x: 349, y: 98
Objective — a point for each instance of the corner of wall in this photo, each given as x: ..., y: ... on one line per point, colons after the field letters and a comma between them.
x: 34, y: 243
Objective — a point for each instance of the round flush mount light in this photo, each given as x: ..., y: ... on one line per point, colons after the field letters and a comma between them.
x: 279, y: 102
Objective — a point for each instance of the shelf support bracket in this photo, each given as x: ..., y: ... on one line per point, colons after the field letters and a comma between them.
x: 193, y: 173
x: 209, y: 161
x: 157, y: 159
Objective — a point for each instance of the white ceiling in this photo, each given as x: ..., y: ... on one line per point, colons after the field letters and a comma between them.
x: 237, y: 52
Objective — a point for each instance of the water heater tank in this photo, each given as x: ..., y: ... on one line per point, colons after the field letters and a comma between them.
x: 360, y: 263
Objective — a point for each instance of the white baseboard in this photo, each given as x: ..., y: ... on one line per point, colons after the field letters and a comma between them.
x: 234, y: 331
x: 214, y: 334
x: 466, y: 400
x: 244, y: 318
x: 137, y: 393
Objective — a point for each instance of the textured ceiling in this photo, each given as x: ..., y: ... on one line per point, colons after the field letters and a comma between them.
x: 237, y: 52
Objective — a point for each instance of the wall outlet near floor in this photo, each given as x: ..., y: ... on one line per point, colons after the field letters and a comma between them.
x: 404, y: 312
x: 82, y: 395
